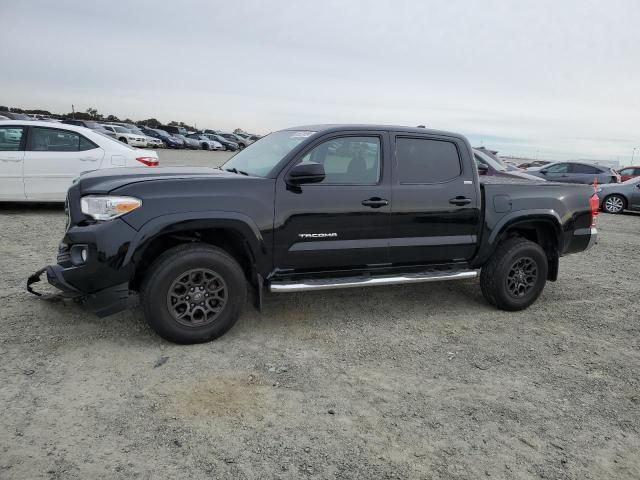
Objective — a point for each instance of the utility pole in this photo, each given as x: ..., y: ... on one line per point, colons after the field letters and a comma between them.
x: 633, y: 153
x: 73, y: 112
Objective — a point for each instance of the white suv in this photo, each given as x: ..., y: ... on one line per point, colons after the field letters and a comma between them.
x: 39, y: 160
x: 126, y: 136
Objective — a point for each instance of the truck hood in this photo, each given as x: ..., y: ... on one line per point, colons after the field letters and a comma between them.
x: 106, y: 180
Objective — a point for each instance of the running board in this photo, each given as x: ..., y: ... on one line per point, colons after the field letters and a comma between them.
x: 280, y: 286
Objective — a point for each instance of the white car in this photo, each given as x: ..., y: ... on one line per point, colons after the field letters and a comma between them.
x: 39, y: 160
x: 154, y: 142
x: 125, y: 136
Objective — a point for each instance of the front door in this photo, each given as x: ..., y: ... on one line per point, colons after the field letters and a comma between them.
x: 53, y: 158
x: 11, y: 163
x: 435, y: 213
x: 343, y: 221
x: 558, y: 173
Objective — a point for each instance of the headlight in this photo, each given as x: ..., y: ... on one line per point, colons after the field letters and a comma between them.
x: 108, y: 207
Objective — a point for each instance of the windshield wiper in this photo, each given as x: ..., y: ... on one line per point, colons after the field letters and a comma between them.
x: 235, y: 170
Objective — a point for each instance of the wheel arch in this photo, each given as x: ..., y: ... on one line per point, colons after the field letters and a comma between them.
x: 543, y: 228
x: 238, y: 236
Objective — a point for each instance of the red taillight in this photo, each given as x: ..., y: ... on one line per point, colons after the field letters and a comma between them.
x: 148, y: 161
x: 594, y: 203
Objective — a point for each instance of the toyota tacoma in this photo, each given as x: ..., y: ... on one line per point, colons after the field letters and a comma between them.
x: 311, y: 208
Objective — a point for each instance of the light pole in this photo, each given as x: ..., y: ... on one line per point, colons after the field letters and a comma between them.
x: 633, y: 153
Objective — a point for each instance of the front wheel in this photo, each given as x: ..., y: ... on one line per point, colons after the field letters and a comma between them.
x: 515, y: 275
x: 123, y: 140
x: 193, y: 293
x: 614, y: 204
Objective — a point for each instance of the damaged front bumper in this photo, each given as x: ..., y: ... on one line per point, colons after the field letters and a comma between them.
x: 103, y: 303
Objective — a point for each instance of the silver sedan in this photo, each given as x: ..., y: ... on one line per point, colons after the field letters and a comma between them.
x: 617, y: 197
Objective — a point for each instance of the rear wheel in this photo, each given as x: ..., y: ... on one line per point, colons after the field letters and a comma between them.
x: 193, y: 293
x: 614, y: 204
x: 515, y: 275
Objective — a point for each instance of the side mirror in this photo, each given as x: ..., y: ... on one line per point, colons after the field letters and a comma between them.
x: 309, y: 172
x: 482, y: 169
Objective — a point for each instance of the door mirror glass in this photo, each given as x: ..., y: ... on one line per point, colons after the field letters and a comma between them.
x: 483, y: 169
x: 306, y: 172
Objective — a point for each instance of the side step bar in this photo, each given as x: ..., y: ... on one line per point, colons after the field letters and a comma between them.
x: 369, y: 281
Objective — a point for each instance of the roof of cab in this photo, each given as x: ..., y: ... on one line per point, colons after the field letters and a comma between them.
x: 330, y: 128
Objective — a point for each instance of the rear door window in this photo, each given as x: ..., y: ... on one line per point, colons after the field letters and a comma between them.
x: 580, y: 168
x: 422, y: 160
x: 54, y: 140
x: 10, y: 138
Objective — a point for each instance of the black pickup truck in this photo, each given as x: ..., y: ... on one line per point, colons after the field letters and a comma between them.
x: 311, y: 208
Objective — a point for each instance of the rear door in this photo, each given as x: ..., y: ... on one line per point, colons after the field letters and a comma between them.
x: 582, y: 173
x: 53, y: 158
x: 435, y: 214
x: 12, y: 140
x: 342, y: 222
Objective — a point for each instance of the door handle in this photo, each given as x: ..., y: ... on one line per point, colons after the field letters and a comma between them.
x: 459, y: 200
x: 88, y: 159
x: 11, y: 159
x: 375, y: 202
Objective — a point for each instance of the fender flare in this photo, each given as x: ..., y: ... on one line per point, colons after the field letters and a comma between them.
x: 522, y: 216
x: 179, y: 222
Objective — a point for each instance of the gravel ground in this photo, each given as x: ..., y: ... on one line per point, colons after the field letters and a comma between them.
x: 421, y: 381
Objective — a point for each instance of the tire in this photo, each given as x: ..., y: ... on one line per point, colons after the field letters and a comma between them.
x: 614, y: 203
x: 508, y: 281
x: 172, y: 278
x: 123, y: 140
x: 205, y: 146
x: 241, y: 146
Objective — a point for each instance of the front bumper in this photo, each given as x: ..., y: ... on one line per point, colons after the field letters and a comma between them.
x: 101, y: 282
x: 103, y: 303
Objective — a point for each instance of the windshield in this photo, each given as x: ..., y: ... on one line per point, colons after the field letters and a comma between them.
x: 260, y: 157
x: 119, y: 129
x: 492, y: 162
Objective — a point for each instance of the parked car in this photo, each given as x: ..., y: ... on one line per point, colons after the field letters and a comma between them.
x: 163, y: 137
x: 535, y: 163
x: 39, y: 160
x: 205, y: 142
x: 242, y: 142
x: 92, y: 125
x: 173, y: 130
x: 244, y: 137
x: 617, y: 197
x: 627, y: 173
x: 575, y: 172
x: 491, y: 165
x: 227, y: 144
x: 171, y: 141
x: 419, y: 209
x: 16, y: 116
x: 190, y: 143
x: 152, y: 142
x: 125, y: 136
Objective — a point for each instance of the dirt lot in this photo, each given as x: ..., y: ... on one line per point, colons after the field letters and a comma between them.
x: 422, y: 381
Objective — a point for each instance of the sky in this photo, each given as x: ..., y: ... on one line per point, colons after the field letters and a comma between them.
x: 536, y: 78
